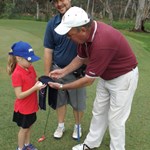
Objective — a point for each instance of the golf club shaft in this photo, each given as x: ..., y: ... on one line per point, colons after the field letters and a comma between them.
x: 46, y: 120
x: 78, y: 118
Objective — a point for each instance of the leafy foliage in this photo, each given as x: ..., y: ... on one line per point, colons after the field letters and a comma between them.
x: 9, y: 10
x: 28, y: 7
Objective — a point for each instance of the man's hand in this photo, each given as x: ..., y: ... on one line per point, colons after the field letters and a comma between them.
x: 57, y: 74
x: 55, y: 85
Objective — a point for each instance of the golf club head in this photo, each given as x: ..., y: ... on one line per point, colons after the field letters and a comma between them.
x: 42, y: 138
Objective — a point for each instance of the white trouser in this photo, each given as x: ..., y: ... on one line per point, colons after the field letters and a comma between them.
x: 111, y: 109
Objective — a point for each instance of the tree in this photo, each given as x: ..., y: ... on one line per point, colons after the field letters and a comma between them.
x: 90, y: 7
x: 134, y: 9
x: 143, y: 13
x: 125, y: 11
x: 109, y: 11
x: 106, y: 8
x: 37, y: 10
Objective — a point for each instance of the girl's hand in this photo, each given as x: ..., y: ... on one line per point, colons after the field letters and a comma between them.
x: 39, y: 85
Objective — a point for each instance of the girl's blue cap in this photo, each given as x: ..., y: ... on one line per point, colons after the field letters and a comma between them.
x: 23, y: 49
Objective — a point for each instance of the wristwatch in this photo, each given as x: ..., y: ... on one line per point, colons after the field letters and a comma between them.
x: 61, y: 86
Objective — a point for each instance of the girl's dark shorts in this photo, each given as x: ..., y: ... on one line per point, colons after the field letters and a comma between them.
x: 24, y: 121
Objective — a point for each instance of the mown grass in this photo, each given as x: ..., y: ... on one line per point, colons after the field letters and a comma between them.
x: 138, y: 124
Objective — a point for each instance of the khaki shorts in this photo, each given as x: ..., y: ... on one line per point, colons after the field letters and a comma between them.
x: 76, y: 97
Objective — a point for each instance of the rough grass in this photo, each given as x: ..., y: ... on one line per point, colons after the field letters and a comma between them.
x: 138, y: 125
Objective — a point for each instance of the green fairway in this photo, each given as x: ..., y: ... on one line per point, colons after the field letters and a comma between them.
x: 138, y: 124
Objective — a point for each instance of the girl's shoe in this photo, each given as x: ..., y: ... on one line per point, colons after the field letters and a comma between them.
x: 30, y: 147
x: 24, y: 148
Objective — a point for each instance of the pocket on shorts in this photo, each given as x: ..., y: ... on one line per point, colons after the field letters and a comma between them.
x: 61, y: 98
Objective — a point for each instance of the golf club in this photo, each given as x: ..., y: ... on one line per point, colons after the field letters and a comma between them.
x: 42, y: 138
x: 78, y: 126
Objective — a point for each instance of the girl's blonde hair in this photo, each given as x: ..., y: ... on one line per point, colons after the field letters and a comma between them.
x: 11, y: 65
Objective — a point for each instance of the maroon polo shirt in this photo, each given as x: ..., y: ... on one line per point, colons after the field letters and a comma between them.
x: 25, y: 79
x: 108, y: 52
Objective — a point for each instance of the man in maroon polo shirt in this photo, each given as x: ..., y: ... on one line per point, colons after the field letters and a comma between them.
x: 110, y: 58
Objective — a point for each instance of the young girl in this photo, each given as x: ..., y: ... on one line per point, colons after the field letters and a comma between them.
x: 25, y: 86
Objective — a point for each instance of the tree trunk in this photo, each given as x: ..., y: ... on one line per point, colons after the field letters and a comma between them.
x: 147, y: 10
x: 126, y: 8
x: 139, y: 23
x: 92, y: 12
x: 134, y: 9
x: 90, y: 7
x: 121, y: 9
x: 103, y: 13
x: 108, y: 10
x: 14, y: 2
x: 37, y: 10
x: 87, y: 8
